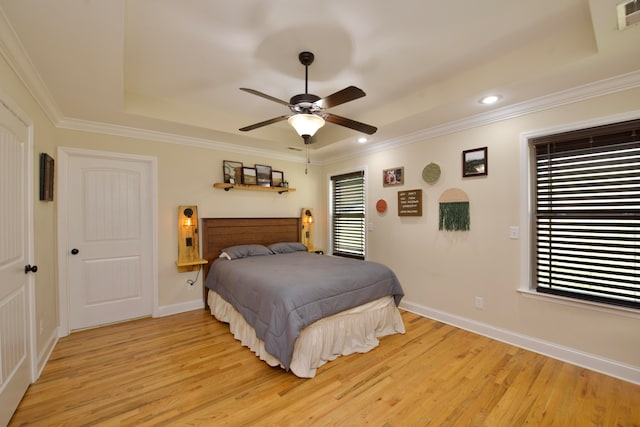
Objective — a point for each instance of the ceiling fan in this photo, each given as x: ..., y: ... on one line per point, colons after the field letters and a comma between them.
x: 309, y: 110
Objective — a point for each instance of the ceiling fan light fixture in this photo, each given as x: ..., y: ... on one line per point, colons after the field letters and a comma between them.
x: 306, y: 124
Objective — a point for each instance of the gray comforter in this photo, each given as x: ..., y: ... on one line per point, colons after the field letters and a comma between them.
x: 279, y: 295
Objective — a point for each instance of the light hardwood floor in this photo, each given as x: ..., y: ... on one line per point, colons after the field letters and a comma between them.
x: 188, y: 370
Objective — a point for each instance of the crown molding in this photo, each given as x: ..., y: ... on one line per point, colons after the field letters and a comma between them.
x: 569, y: 96
x: 16, y: 56
x: 169, y: 138
x: 14, y: 53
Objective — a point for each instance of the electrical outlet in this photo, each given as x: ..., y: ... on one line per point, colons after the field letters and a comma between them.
x: 479, y: 303
x: 41, y: 326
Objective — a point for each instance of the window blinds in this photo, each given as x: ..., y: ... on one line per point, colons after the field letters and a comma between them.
x: 587, y: 214
x: 348, y: 221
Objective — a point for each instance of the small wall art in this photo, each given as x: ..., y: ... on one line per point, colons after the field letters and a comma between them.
x: 263, y: 173
x: 232, y: 171
x: 393, y: 176
x: 277, y: 178
x: 249, y: 176
x: 475, y: 162
x: 46, y: 177
x: 410, y: 203
x: 454, y: 210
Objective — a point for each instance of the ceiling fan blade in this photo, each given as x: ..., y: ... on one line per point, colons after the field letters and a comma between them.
x: 340, y: 97
x: 264, y: 95
x: 352, y: 124
x: 265, y: 123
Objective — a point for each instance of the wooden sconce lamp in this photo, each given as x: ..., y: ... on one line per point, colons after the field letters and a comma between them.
x: 306, y: 236
x: 188, y: 241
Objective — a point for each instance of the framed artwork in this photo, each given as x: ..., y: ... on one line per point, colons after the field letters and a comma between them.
x: 475, y: 162
x: 249, y: 176
x: 263, y: 173
x: 277, y: 178
x: 393, y: 176
x: 46, y: 177
x: 232, y: 171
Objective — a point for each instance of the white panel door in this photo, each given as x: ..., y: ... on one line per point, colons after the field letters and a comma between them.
x: 15, y: 351
x: 110, y: 269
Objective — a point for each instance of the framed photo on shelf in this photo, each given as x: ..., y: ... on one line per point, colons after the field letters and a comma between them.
x: 232, y: 171
x: 475, y: 162
x: 249, y: 176
x: 263, y: 173
x: 46, y: 177
x: 393, y: 176
x: 277, y: 178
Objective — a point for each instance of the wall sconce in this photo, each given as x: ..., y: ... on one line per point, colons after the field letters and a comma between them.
x: 188, y: 241
x: 306, y: 234
x: 308, y: 215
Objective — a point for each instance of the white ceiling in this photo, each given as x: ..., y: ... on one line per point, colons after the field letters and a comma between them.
x: 174, y: 67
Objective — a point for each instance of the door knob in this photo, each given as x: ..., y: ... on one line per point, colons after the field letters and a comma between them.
x: 30, y: 268
x: 75, y: 251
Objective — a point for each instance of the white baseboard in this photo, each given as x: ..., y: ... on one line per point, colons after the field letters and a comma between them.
x: 45, y: 354
x: 168, y: 310
x: 575, y: 357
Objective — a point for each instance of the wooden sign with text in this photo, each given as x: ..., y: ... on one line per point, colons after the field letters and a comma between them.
x: 410, y: 203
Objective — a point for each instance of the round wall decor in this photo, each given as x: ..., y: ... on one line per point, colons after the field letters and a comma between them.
x: 381, y: 206
x: 431, y: 173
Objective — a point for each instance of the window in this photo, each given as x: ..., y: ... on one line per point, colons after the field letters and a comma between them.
x: 586, y: 227
x: 347, y: 220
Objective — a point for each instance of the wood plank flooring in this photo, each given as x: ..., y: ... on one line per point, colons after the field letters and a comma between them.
x: 188, y: 370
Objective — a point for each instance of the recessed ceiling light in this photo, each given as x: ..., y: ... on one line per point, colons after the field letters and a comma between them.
x: 362, y: 140
x: 490, y: 99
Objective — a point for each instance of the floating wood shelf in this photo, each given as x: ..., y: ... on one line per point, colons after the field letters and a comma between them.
x: 192, y: 262
x: 226, y: 187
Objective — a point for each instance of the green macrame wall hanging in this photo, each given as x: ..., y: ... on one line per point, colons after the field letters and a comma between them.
x: 454, y: 210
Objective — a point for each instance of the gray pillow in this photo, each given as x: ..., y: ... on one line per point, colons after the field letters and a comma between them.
x: 287, y: 247
x: 244, y: 251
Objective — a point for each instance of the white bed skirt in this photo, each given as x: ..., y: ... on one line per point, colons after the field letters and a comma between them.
x: 354, y: 330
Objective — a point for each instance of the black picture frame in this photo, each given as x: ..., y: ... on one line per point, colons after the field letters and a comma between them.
x: 475, y: 162
x: 263, y: 173
x: 232, y: 171
x: 47, y: 166
x: 277, y: 178
x: 249, y: 176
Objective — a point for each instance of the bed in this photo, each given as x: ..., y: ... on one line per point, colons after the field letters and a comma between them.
x: 320, y: 319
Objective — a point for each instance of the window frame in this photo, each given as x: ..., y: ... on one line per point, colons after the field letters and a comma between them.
x: 530, y: 246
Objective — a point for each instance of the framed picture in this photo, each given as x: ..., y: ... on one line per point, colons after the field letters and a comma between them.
x: 249, y: 176
x: 475, y: 162
x: 264, y: 175
x: 232, y: 171
x: 277, y: 178
x: 393, y: 176
x: 46, y: 177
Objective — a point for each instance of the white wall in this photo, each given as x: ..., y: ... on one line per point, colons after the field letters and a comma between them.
x: 186, y: 175
x: 443, y: 272
x: 46, y: 296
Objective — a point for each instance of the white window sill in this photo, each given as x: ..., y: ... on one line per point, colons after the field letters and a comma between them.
x: 589, y: 305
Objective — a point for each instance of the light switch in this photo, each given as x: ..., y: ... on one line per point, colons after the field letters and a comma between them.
x: 514, y: 232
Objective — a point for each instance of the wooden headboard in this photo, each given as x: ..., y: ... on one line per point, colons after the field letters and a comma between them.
x: 220, y: 233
